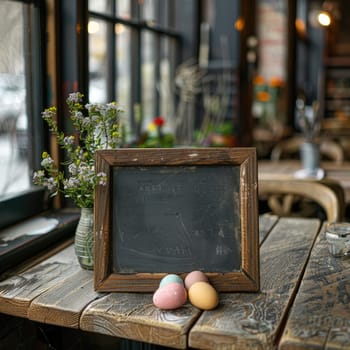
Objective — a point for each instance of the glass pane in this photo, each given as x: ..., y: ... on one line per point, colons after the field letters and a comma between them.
x: 165, y: 86
x: 170, y: 10
x: 14, y: 163
x: 97, y: 61
x: 123, y: 63
x: 272, y: 31
x: 102, y: 6
x: 148, y: 77
x: 269, y: 92
x: 166, y: 13
x: 149, y: 10
x: 123, y: 8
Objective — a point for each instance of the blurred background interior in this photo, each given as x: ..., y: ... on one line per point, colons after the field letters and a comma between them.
x: 208, y: 73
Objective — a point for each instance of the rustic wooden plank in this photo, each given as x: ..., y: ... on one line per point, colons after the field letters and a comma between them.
x: 266, y: 222
x: 36, y: 259
x: 133, y: 316
x: 18, y: 291
x: 23, y: 240
x: 63, y: 304
x: 253, y: 320
x: 320, y: 316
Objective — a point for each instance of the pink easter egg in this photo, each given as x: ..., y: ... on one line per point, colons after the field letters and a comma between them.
x: 169, y: 297
x: 193, y: 277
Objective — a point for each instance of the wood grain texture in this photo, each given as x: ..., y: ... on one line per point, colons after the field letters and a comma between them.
x: 19, y: 290
x: 312, y: 306
x: 320, y: 316
x: 175, y: 156
x: 253, y: 321
x: 133, y: 316
x: 63, y: 304
x: 36, y: 259
x: 266, y: 222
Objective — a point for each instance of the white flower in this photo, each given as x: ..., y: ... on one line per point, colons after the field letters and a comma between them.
x: 88, y: 106
x: 47, y: 162
x: 86, y: 122
x: 50, y: 183
x: 68, y: 140
x: 114, y: 106
x: 72, y: 182
x: 39, y: 177
x: 48, y: 114
x: 72, y: 168
x: 74, y: 97
x: 78, y: 115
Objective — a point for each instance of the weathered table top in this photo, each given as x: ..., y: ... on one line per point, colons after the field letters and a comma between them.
x: 286, y: 169
x: 303, y: 301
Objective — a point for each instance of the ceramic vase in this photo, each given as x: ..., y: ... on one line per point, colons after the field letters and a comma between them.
x: 310, y: 157
x: 84, y: 239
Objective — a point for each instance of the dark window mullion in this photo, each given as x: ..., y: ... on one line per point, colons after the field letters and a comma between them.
x: 137, y: 24
x: 157, y: 75
x: 136, y: 77
x: 34, y: 99
x: 111, y: 62
x: 112, y: 79
x: 135, y: 71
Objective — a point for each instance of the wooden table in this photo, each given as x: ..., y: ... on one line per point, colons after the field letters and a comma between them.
x: 286, y: 169
x: 303, y: 301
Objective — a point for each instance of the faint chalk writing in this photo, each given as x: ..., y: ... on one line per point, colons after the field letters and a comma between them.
x: 174, y: 251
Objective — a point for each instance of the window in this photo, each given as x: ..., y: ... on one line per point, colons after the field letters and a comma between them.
x: 25, y: 223
x: 132, y: 58
x: 21, y: 101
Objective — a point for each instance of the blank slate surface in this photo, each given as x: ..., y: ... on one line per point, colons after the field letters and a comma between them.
x: 184, y: 216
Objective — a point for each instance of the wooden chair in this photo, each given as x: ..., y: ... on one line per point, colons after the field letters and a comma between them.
x: 281, y: 197
x: 290, y: 148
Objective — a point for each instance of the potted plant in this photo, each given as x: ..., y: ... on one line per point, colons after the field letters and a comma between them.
x: 96, y: 126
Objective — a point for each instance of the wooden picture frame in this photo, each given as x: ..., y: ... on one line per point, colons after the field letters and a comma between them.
x: 174, y: 211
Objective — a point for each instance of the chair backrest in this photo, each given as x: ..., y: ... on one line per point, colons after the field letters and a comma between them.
x: 328, y: 194
x: 290, y: 148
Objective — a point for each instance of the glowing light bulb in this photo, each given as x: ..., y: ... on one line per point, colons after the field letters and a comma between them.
x: 324, y: 19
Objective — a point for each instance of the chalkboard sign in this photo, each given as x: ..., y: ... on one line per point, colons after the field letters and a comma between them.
x: 175, y: 211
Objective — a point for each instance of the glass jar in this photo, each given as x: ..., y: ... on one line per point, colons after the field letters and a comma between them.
x: 338, y: 238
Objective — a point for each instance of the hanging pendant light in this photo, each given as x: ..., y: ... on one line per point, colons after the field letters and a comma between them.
x: 324, y: 18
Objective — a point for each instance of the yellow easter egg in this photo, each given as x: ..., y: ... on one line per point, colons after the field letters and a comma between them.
x: 203, y: 295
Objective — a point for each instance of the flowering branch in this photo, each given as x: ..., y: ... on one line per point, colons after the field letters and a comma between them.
x: 99, y: 129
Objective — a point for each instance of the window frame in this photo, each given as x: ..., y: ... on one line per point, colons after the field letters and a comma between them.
x: 137, y: 26
x: 19, y: 206
x: 32, y: 207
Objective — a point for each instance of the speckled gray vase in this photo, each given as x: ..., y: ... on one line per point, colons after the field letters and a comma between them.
x: 84, y: 239
x: 310, y: 157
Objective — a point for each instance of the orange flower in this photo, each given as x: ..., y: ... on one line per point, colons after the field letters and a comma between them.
x: 276, y: 82
x: 263, y: 96
x: 259, y: 80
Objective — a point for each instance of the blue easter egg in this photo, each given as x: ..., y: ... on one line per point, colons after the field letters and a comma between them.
x: 171, y: 278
